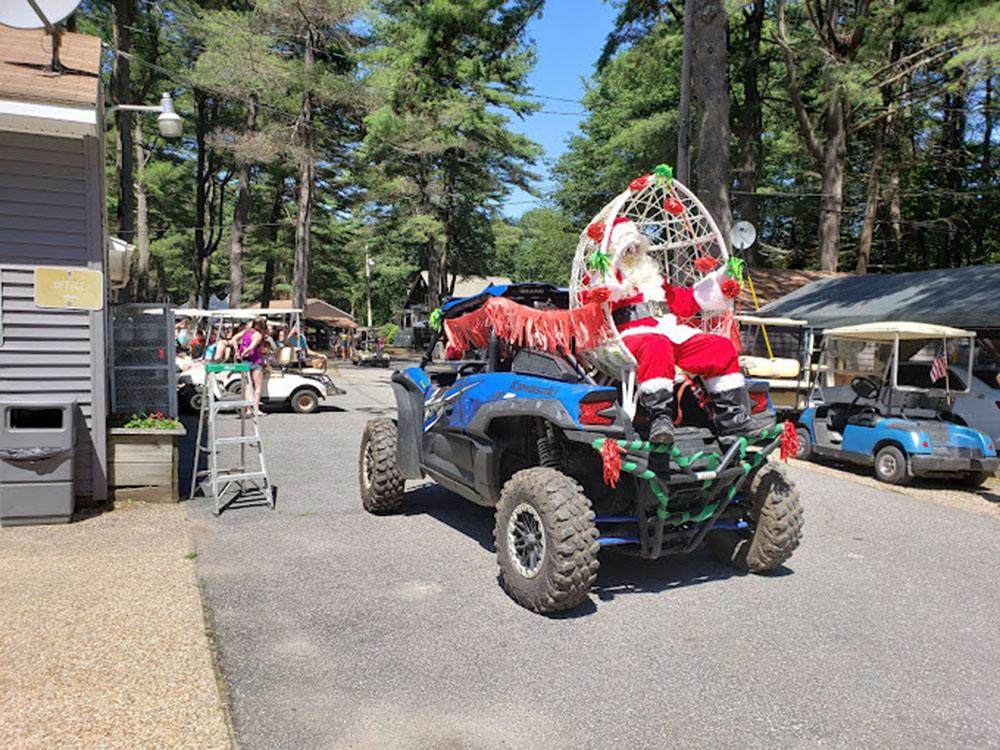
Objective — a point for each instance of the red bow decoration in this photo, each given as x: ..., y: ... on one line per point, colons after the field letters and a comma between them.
x: 598, y: 295
x: 611, y: 462
x: 639, y: 183
x: 731, y: 288
x: 705, y: 263
x: 673, y: 206
x: 596, y: 231
x: 789, y: 441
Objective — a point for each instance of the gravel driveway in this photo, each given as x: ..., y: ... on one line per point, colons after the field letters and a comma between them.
x: 337, y: 629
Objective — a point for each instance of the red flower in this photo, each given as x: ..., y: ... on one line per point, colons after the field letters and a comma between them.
x: 639, y: 183
x: 586, y: 278
x: 731, y: 288
x: 705, y: 263
x: 596, y: 231
x: 673, y: 206
x: 599, y: 295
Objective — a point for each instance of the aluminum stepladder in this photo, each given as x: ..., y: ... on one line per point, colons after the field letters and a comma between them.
x: 237, y: 484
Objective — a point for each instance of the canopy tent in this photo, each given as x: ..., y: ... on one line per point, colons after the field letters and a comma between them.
x: 960, y: 297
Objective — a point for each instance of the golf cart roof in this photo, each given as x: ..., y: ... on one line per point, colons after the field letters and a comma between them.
x: 890, y: 330
x: 755, y: 320
x: 239, y: 314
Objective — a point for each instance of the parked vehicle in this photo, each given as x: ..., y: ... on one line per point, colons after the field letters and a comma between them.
x: 779, y: 352
x: 369, y: 349
x: 979, y: 408
x: 288, y: 382
x: 526, y: 432
x: 900, y: 429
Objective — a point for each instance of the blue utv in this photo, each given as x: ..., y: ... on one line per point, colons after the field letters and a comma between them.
x: 902, y: 431
x: 534, y: 434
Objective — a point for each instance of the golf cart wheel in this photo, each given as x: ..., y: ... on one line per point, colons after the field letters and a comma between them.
x: 805, y: 444
x: 235, y: 387
x: 774, y: 517
x: 304, y: 401
x: 381, y: 483
x: 975, y: 479
x: 890, y: 465
x: 546, y: 540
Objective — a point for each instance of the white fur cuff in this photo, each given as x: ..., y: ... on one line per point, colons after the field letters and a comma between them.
x: 728, y: 382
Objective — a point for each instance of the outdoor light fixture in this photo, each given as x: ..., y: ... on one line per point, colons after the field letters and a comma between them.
x: 170, y: 123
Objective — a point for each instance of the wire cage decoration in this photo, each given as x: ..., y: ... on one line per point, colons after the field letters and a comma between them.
x: 679, y: 230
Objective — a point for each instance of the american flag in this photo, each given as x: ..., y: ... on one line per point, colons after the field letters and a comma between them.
x: 939, y: 368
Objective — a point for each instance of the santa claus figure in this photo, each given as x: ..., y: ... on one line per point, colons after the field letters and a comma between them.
x: 646, y: 309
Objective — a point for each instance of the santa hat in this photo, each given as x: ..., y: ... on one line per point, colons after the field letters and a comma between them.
x: 624, y: 234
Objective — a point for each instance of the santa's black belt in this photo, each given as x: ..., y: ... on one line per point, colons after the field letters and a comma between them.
x: 638, y: 311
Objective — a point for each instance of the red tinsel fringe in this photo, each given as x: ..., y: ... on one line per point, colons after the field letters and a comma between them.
x: 611, y: 462
x: 587, y: 326
x: 789, y: 447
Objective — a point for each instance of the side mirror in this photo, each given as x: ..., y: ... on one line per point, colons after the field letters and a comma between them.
x: 863, y: 388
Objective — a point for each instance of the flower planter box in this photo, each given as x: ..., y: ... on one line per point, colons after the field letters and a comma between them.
x: 142, y: 464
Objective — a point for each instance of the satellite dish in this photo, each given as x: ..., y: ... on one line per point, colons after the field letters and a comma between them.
x: 35, y: 14
x: 742, y: 235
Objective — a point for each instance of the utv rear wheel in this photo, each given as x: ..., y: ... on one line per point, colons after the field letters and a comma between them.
x: 774, y: 518
x: 890, y: 465
x: 975, y: 479
x: 381, y: 483
x: 546, y: 540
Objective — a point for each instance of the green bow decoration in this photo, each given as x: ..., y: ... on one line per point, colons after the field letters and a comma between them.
x: 735, y: 267
x: 663, y: 173
x: 435, y: 319
x: 599, y: 261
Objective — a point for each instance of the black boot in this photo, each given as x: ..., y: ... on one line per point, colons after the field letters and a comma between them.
x: 659, y: 405
x: 732, y: 416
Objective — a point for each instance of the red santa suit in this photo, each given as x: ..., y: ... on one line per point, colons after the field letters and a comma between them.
x: 648, y: 311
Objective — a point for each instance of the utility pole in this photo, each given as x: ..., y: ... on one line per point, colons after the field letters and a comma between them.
x: 684, y: 115
x: 369, y: 262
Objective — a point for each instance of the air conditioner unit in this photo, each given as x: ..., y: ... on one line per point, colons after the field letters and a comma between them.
x: 119, y: 262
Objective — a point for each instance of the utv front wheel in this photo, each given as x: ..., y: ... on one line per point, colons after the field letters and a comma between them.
x: 774, y: 526
x: 380, y: 480
x: 546, y: 540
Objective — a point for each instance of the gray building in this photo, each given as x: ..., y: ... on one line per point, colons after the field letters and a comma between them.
x: 52, y: 217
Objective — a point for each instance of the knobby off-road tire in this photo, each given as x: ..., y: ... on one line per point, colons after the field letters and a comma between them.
x: 775, y: 515
x: 380, y: 480
x: 547, y: 506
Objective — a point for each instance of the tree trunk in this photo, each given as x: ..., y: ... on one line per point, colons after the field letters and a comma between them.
x: 871, y: 202
x: 684, y: 108
x: 895, y: 215
x: 241, y: 213
x: 200, y: 246
x: 988, y: 123
x: 710, y: 88
x: 300, y: 274
x: 267, y: 283
x: 750, y: 123
x: 141, y: 221
x: 121, y: 83
x: 832, y: 183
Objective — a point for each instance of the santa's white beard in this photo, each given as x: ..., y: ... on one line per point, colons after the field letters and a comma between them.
x: 643, y: 274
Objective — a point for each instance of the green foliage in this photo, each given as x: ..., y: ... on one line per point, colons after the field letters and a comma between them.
x: 537, y: 247
x: 151, y: 421
x: 388, y: 332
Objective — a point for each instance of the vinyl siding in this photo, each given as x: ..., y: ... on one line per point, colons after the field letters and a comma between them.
x: 51, y: 214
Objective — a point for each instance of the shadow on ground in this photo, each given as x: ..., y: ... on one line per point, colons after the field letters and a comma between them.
x: 620, y: 573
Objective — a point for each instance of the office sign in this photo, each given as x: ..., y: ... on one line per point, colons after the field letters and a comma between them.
x: 69, y: 288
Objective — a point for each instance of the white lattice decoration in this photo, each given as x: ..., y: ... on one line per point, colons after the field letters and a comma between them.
x: 676, y: 240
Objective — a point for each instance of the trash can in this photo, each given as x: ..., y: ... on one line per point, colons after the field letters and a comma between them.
x: 37, y: 443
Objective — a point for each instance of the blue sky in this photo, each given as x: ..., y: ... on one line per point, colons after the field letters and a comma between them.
x: 568, y: 38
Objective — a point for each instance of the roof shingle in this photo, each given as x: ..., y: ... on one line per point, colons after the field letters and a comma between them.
x: 24, y: 55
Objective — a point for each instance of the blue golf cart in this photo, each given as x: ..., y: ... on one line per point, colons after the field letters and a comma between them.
x: 859, y: 413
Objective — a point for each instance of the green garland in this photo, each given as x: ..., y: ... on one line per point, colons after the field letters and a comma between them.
x: 713, y: 458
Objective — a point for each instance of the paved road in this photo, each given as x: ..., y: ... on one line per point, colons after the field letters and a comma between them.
x: 337, y: 629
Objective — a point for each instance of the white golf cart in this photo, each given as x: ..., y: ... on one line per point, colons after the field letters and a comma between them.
x: 288, y: 381
x: 779, y: 351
